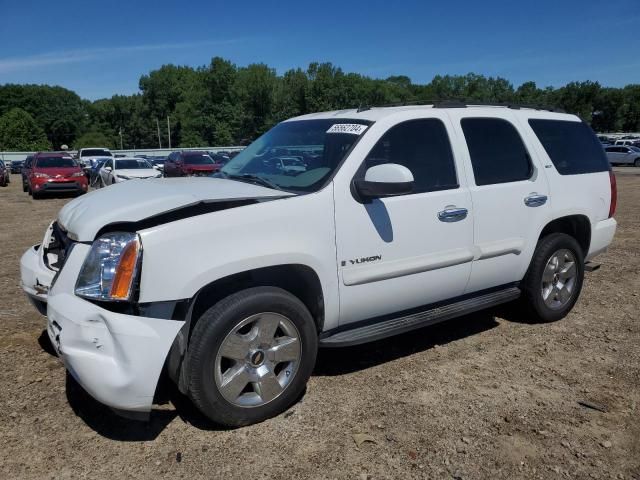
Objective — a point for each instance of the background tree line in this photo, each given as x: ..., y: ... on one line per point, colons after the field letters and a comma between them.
x: 222, y: 104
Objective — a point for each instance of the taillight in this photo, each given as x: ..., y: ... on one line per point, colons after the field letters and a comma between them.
x: 614, y: 194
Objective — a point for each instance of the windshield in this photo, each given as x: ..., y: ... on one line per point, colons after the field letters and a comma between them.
x: 314, y: 147
x: 95, y: 152
x: 199, y: 159
x: 55, y: 162
x: 132, y: 164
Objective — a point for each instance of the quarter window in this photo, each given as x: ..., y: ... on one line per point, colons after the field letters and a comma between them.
x: 497, y: 152
x: 572, y: 146
x: 423, y: 147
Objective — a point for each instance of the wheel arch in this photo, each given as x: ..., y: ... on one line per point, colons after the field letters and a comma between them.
x: 577, y: 226
x: 300, y: 280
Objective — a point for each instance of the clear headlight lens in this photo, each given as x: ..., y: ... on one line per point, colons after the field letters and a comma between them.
x: 41, y: 175
x: 110, y: 269
x: 123, y: 177
x: 78, y: 174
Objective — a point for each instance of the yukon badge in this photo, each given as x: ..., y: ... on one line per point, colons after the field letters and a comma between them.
x: 356, y: 261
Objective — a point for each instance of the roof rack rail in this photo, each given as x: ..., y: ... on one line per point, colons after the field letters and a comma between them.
x: 512, y: 105
x: 457, y: 103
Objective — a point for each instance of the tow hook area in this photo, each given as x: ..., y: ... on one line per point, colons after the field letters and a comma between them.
x: 591, y: 267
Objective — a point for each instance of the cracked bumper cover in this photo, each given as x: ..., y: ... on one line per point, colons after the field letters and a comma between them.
x: 117, y: 358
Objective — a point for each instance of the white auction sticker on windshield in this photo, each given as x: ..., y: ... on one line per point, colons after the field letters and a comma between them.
x: 352, y: 128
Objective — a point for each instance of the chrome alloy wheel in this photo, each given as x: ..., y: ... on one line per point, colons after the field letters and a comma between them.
x: 559, y: 279
x: 258, y: 360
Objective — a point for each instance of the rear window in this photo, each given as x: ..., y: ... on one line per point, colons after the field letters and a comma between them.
x: 198, y: 159
x: 95, y: 152
x: 55, y: 162
x: 131, y: 164
x: 572, y: 146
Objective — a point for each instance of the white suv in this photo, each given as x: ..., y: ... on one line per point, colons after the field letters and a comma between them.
x: 402, y: 217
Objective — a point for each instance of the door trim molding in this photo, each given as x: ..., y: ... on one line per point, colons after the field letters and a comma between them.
x: 406, y: 266
x: 501, y: 247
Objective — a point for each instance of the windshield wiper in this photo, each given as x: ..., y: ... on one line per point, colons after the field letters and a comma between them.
x: 250, y: 178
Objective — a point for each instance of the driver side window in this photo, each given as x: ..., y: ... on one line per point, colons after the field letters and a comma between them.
x: 423, y: 147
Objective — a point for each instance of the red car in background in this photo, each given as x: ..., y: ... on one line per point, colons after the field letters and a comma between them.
x: 190, y: 163
x: 55, y: 173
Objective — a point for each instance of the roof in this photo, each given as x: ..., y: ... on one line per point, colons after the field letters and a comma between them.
x: 52, y: 154
x: 376, y: 113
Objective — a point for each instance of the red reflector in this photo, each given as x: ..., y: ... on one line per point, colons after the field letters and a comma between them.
x: 614, y: 194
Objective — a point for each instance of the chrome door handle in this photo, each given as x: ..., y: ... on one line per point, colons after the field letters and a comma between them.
x: 535, y: 200
x: 452, y: 214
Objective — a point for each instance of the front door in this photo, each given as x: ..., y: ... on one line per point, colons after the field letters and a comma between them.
x: 406, y: 251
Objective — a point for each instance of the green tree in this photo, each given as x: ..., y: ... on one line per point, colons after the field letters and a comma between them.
x: 20, y: 132
x: 94, y: 139
x: 58, y: 111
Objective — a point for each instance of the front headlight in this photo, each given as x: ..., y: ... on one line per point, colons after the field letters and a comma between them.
x: 110, y: 269
x: 78, y: 174
x: 41, y: 175
x: 123, y: 177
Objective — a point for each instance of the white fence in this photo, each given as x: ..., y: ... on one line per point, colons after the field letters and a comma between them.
x: 10, y: 156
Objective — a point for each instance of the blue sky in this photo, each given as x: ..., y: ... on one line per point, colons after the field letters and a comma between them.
x: 100, y: 48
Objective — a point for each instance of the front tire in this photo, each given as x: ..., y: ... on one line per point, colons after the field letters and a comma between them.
x: 637, y: 162
x: 250, y: 356
x: 554, y: 280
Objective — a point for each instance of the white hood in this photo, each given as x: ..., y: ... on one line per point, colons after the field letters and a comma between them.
x: 132, y: 201
x: 138, y: 172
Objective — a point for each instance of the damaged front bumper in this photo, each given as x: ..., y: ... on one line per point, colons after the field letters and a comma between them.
x: 117, y: 358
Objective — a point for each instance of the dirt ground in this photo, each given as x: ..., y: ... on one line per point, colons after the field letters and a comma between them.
x: 478, y: 397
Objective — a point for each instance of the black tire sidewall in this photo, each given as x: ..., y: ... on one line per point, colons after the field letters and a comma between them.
x: 547, y: 246
x: 208, y: 334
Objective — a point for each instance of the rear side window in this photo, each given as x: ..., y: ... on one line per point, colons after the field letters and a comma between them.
x: 497, y: 152
x: 572, y: 146
x: 423, y: 147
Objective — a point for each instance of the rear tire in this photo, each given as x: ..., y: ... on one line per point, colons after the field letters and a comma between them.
x: 250, y: 356
x: 637, y: 162
x: 554, y: 280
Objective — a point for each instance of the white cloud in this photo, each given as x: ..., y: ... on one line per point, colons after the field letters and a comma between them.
x: 11, y: 64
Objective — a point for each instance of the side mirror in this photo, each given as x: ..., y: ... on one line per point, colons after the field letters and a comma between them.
x: 386, y: 180
x: 108, y: 169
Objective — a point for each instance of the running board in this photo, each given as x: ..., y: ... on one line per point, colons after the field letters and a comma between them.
x: 394, y: 326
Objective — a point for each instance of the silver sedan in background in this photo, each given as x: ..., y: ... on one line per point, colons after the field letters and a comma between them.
x: 623, y: 155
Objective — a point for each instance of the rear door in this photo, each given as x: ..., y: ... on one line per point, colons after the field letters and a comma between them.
x: 106, y: 174
x: 626, y: 155
x: 403, y: 252
x: 613, y: 154
x: 169, y: 165
x: 509, y: 191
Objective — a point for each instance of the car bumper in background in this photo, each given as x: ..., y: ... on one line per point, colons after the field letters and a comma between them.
x: 601, y: 237
x: 60, y: 187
